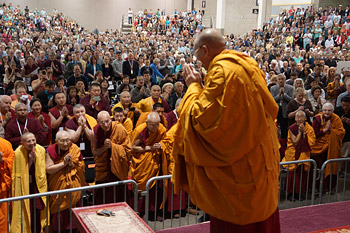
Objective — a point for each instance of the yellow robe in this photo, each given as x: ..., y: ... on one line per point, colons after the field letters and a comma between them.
x: 290, y: 151
x: 5, y: 180
x: 226, y: 146
x: 20, y: 187
x: 68, y: 177
x: 128, y: 126
x: 146, y: 105
x: 130, y: 113
x: 120, y: 155
x: 332, y: 141
x: 143, y: 119
x: 146, y: 165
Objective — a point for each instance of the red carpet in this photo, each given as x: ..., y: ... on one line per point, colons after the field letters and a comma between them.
x: 303, y: 219
x: 335, y: 230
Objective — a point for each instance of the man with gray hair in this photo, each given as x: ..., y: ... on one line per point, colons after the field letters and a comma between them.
x: 154, y: 66
x: 54, y: 64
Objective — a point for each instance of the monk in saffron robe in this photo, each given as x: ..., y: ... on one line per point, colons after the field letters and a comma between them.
x: 29, y: 177
x: 329, y: 133
x: 145, y: 105
x: 111, y: 149
x: 65, y: 168
x: 130, y: 109
x: 301, y: 138
x: 148, y: 159
x: 167, y: 145
x: 226, y: 146
x: 6, y: 161
x: 118, y: 115
x: 159, y: 109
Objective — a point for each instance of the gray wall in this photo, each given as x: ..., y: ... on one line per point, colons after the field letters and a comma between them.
x: 324, y: 3
x: 105, y: 14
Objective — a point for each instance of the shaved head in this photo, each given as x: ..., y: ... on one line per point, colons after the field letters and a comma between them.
x: 208, y: 45
x: 4, y: 98
x: 153, y: 121
x: 19, y: 105
x: 124, y: 93
x: 61, y: 134
x: 102, y: 115
x: 104, y: 120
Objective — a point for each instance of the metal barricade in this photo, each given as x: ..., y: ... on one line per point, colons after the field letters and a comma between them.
x: 330, y: 184
x: 69, y: 191
x: 185, y: 215
x: 296, y: 186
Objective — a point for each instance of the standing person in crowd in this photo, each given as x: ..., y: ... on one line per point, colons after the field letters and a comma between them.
x: 66, y: 169
x: 299, y: 103
x: 29, y: 165
x: 283, y: 94
x: 6, y: 163
x: 21, y: 125
x: 111, y: 149
x: 301, y: 138
x: 329, y: 133
x: 204, y: 121
x: 131, y: 67
x: 95, y: 102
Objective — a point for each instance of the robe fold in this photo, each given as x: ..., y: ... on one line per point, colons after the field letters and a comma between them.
x: 128, y: 126
x: 116, y: 159
x: 146, y: 105
x: 20, y: 187
x: 331, y: 141
x: 146, y: 165
x: 226, y: 148
x: 302, y: 150
x: 56, y: 113
x: 5, y: 180
x: 67, y: 177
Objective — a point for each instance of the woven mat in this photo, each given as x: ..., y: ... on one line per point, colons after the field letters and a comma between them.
x: 124, y: 221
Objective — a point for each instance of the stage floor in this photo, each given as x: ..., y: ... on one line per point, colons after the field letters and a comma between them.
x: 302, y: 219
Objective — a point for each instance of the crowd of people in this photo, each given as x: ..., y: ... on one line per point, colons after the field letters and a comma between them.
x: 69, y: 94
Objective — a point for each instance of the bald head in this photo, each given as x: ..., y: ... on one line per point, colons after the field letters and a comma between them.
x: 62, y: 134
x: 153, y: 117
x: 26, y: 135
x: 102, y: 115
x: 208, y: 45
x: 20, y: 105
x: 5, y: 98
x: 124, y: 93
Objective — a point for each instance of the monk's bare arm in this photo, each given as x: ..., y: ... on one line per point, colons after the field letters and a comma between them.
x: 136, y: 146
x: 52, y: 168
x: 55, y: 122
x: 75, y: 134
x: 97, y: 151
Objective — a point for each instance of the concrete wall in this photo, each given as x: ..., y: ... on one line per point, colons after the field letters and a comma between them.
x: 279, y: 5
x: 323, y: 3
x: 105, y: 14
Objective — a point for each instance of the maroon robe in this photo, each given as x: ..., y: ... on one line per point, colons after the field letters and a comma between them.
x: 47, y: 121
x: 56, y: 113
x: 103, y: 105
x: 171, y: 118
x: 13, y: 135
x: 297, y: 179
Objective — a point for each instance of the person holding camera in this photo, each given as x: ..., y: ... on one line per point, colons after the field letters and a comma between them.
x: 95, y: 102
x: 38, y: 85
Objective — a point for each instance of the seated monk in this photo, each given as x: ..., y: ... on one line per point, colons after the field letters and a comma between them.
x: 329, y: 133
x: 111, y: 149
x: 148, y: 159
x: 29, y: 165
x: 158, y: 108
x: 17, y: 127
x: 130, y: 109
x: 145, y: 105
x: 119, y: 116
x: 6, y: 162
x: 301, y: 138
x: 60, y: 114
x: 21, y: 95
x: 65, y: 168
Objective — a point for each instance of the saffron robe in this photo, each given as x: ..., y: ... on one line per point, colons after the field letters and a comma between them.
x: 303, y: 149
x: 130, y: 113
x: 146, y: 105
x: 143, y: 119
x: 67, y: 177
x: 20, y: 187
x: 331, y: 141
x: 116, y: 159
x: 146, y: 165
x: 226, y: 148
x: 5, y: 180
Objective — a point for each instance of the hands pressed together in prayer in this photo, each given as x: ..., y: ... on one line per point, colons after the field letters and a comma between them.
x: 108, y: 143
x: 68, y: 160
x: 191, y: 75
x: 82, y: 122
x: 328, y: 126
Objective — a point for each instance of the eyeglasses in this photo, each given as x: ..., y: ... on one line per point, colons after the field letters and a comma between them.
x: 195, y: 51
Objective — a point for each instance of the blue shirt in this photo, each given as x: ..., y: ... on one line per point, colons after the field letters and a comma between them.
x: 155, y: 73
